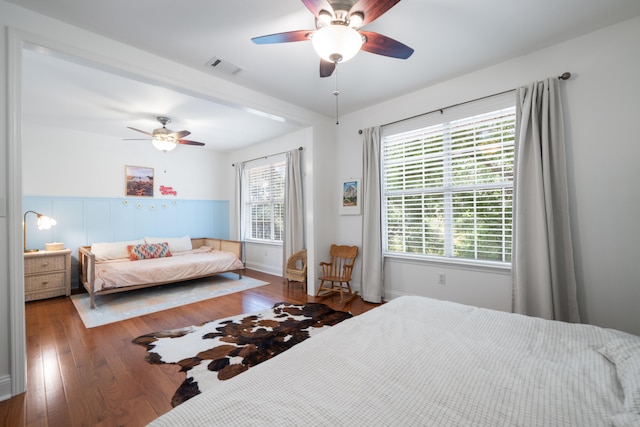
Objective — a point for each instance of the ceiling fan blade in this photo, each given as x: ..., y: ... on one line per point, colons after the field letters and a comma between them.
x: 383, y: 45
x: 315, y: 6
x: 372, y: 9
x: 326, y: 68
x: 187, y: 142
x: 181, y: 134
x: 290, y: 36
x: 141, y: 131
x: 136, y: 139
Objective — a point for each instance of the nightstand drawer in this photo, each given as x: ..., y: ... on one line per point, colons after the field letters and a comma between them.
x: 41, y: 282
x: 47, y: 274
x: 44, y: 264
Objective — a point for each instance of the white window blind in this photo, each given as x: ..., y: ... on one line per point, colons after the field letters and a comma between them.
x: 265, y: 202
x: 448, y: 183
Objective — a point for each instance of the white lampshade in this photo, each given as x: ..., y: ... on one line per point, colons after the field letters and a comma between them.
x: 45, y: 222
x: 337, y: 43
x: 163, y: 144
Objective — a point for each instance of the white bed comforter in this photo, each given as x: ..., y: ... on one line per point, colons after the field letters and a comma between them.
x: 198, y: 262
x: 418, y: 361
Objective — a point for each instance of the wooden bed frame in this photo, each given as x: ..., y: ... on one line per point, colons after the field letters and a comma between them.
x: 87, y: 262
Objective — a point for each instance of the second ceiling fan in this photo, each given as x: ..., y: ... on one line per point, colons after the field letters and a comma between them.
x: 338, y: 35
x: 164, y: 139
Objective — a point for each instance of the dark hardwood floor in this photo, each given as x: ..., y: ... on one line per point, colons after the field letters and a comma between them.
x: 97, y: 377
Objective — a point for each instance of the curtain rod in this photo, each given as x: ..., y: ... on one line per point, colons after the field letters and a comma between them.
x: 563, y: 76
x: 264, y: 157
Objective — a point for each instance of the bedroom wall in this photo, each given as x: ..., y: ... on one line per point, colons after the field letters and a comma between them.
x: 601, y: 110
x: 68, y: 163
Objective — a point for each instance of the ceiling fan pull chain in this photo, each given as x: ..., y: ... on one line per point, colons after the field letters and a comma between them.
x: 336, y: 92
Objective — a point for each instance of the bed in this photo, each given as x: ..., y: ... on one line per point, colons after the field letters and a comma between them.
x: 111, y: 267
x: 420, y: 361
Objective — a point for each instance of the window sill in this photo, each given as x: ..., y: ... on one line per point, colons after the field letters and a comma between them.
x: 263, y: 242
x: 488, y: 266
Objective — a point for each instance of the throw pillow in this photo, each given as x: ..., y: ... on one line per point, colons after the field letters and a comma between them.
x: 148, y: 250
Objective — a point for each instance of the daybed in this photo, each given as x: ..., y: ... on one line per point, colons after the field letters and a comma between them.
x: 108, y: 267
x: 419, y: 361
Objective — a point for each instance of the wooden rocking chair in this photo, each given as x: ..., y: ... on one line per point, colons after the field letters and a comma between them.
x: 336, y: 274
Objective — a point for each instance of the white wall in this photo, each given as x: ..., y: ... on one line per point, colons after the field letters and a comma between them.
x: 57, y: 162
x: 601, y: 110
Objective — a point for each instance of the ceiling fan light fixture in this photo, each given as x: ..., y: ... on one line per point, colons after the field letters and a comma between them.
x: 324, y: 19
x: 356, y: 20
x: 337, y: 42
x: 163, y: 144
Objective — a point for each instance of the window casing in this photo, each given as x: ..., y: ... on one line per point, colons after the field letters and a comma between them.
x: 264, y: 202
x: 447, y: 185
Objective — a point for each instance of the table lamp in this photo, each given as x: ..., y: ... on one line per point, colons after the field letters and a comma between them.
x: 44, y: 223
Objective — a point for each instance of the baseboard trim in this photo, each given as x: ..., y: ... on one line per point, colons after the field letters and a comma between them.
x: 5, y: 388
x: 264, y: 268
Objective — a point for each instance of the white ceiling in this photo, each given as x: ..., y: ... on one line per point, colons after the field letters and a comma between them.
x: 450, y: 38
x: 60, y: 93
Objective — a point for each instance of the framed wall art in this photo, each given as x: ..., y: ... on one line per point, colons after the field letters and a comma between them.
x: 350, y: 199
x: 139, y: 181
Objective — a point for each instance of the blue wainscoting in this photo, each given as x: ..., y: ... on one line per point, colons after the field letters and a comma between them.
x: 83, y: 221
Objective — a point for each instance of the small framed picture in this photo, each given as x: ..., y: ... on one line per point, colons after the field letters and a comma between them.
x: 350, y: 199
x: 139, y: 181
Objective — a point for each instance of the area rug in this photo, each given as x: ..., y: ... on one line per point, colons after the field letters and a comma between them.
x: 112, y: 308
x: 221, y: 349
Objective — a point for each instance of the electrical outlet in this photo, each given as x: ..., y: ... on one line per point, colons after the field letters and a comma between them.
x: 442, y: 278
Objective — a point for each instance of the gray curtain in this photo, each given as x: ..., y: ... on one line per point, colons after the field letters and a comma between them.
x: 544, y: 282
x: 293, y: 239
x: 372, y: 260
x: 240, y: 211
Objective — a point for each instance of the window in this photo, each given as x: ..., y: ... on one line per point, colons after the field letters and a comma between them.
x: 448, y: 184
x: 265, y: 202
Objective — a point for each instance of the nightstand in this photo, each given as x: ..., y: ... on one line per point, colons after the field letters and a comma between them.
x: 47, y: 274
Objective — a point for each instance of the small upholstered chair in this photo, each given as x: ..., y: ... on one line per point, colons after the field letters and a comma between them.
x: 336, y: 274
x: 296, y: 270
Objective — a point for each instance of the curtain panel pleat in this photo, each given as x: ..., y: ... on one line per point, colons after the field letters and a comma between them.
x: 240, y: 211
x: 544, y: 283
x: 372, y: 258
x: 293, y: 239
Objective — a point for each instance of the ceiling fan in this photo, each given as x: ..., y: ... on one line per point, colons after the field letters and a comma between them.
x: 338, y: 35
x: 164, y: 139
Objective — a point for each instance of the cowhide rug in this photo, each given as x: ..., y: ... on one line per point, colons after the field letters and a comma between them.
x: 221, y: 349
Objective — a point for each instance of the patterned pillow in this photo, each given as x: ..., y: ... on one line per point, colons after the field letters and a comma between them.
x: 148, y: 250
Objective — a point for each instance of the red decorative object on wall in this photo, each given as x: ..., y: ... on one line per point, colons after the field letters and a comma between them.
x: 168, y: 191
